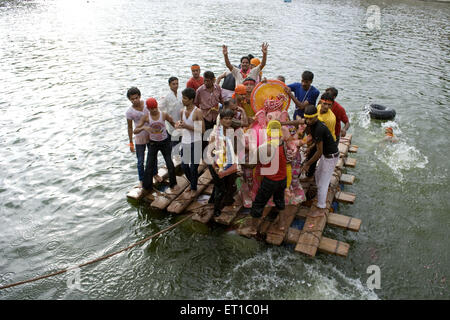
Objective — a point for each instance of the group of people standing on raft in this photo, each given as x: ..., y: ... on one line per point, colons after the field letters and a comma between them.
x: 179, y: 122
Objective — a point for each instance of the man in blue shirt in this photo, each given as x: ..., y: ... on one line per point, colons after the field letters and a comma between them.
x: 303, y: 94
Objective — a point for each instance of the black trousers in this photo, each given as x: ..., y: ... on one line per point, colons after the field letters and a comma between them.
x: 268, y: 189
x: 224, y: 190
x: 166, y: 150
x: 208, y: 125
x: 312, y: 167
x: 190, y: 161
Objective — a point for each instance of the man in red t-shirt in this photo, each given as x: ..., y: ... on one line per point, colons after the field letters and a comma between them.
x: 340, y: 114
x: 273, y: 183
x: 196, y: 81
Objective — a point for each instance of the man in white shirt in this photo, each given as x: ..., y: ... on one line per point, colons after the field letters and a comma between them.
x: 245, y: 71
x: 172, y: 105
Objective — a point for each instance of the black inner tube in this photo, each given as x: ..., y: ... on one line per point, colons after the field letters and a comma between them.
x: 378, y: 111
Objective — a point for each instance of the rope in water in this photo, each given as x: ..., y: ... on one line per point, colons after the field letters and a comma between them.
x: 100, y: 258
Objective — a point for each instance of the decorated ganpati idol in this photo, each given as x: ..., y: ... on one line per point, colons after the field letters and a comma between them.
x: 270, y: 102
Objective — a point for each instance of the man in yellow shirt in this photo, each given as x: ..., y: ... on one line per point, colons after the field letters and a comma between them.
x: 325, y: 114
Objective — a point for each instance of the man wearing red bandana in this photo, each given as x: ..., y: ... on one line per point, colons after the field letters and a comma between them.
x: 196, y: 81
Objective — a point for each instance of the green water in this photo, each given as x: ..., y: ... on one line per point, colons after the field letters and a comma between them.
x: 65, y: 167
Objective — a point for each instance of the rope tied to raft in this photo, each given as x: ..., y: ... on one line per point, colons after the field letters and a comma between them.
x: 312, y: 233
x: 100, y: 258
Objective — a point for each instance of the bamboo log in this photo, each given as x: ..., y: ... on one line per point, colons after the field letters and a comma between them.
x: 353, y: 149
x: 347, y: 179
x: 347, y: 139
x: 204, y: 214
x: 343, y: 149
x: 335, y: 247
x: 279, y: 228
x: 209, y: 189
x: 350, y: 162
x: 163, y: 172
x: 229, y: 212
x: 340, y: 163
x: 134, y: 193
x: 183, y: 200
x: 345, y: 197
x: 344, y: 222
x: 243, y: 228
x: 311, y: 234
x: 326, y: 245
x: 162, y: 201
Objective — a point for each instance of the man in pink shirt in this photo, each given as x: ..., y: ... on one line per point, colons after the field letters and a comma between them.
x: 207, y: 98
x: 340, y: 114
x: 196, y: 81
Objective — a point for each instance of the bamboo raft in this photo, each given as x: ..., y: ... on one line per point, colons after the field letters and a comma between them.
x: 307, y: 240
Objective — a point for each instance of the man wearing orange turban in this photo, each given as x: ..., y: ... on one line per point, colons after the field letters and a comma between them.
x: 196, y: 81
x: 389, y: 135
x: 253, y: 64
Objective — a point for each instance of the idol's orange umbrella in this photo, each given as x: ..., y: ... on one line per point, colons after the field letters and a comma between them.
x: 273, y: 90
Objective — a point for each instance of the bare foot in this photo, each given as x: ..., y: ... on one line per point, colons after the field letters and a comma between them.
x: 143, y: 194
x: 158, y: 178
x: 278, y: 223
x: 317, y: 212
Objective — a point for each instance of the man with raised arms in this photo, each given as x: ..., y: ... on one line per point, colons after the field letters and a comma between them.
x: 245, y: 71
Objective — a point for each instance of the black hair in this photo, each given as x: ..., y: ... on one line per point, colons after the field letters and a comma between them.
x: 246, y: 57
x: 327, y: 96
x: 227, y: 103
x: 308, y: 76
x: 249, y: 79
x: 209, y: 75
x: 189, y: 93
x: 226, y: 112
x: 172, y: 79
x: 132, y: 91
x: 282, y: 77
x: 333, y: 91
x: 250, y: 56
x: 310, y: 109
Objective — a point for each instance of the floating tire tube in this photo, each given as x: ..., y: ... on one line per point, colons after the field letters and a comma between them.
x: 380, y: 112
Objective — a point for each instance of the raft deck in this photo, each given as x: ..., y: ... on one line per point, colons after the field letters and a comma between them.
x: 307, y: 240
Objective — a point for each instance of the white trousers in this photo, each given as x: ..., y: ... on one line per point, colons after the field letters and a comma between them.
x: 324, y: 172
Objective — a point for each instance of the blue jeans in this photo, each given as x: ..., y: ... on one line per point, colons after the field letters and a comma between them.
x: 140, y: 154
